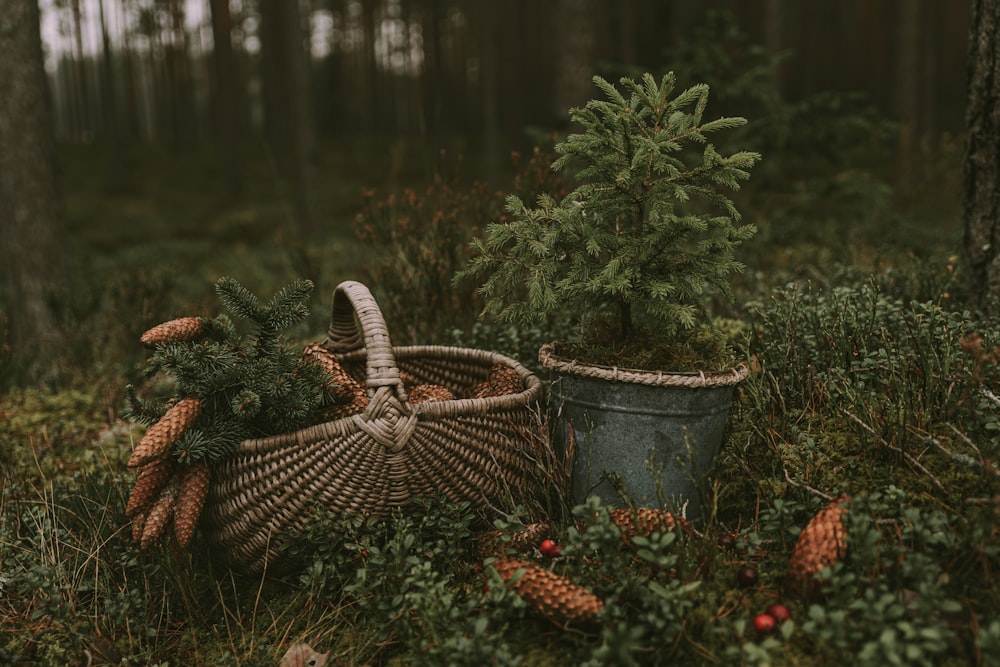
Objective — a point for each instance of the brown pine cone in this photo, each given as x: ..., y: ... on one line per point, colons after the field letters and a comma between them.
x: 158, y: 518
x: 491, y: 543
x: 355, y: 407
x: 500, y: 380
x: 645, y: 521
x: 553, y: 596
x: 429, y: 393
x: 151, y: 479
x: 163, y: 434
x: 138, y: 523
x: 504, y: 380
x: 822, y: 543
x: 342, y: 387
x: 181, y: 329
x: 192, y: 490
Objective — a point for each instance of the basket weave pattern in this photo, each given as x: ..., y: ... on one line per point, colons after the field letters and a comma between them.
x: 470, y: 449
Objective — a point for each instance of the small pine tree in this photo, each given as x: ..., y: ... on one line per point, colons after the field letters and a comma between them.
x: 638, y: 247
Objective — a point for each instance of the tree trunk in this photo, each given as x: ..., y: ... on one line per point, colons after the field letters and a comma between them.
x: 489, y: 49
x: 227, y: 119
x: 981, y: 196
x: 80, y: 64
x: 289, y: 122
x: 435, y: 115
x: 574, y: 55
x: 907, y: 94
x: 179, y: 80
x: 774, y: 26
x: 27, y: 191
x: 113, y: 133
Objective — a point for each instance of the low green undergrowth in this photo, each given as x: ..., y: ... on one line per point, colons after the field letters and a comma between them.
x: 870, y: 379
x: 873, y: 385
x: 916, y: 587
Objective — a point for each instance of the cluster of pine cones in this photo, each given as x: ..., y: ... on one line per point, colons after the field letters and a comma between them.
x: 166, y: 492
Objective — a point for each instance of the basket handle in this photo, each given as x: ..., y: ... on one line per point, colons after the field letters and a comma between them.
x: 354, y: 305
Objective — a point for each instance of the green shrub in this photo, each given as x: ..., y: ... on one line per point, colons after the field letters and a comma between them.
x: 411, y: 580
x: 831, y: 350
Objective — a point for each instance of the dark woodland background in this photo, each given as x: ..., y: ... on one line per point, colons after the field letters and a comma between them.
x: 184, y: 72
x: 200, y: 138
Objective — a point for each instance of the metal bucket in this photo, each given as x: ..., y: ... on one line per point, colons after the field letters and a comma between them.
x: 655, y: 444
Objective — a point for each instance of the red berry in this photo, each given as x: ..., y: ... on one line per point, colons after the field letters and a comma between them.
x: 764, y: 623
x: 747, y: 576
x: 726, y: 541
x: 779, y: 612
x: 549, y: 548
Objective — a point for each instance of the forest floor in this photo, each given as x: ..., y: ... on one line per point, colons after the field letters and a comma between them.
x: 859, y: 305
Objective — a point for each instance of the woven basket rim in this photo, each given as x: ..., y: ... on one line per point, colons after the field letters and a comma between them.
x: 428, y: 411
x: 659, y: 378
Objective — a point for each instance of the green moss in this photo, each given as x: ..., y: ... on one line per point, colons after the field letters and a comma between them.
x: 54, y: 433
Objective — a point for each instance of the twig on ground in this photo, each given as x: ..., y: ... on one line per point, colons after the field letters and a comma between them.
x: 987, y: 466
x: 909, y: 458
x: 803, y: 485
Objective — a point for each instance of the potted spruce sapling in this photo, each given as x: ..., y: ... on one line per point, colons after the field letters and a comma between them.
x: 635, y: 253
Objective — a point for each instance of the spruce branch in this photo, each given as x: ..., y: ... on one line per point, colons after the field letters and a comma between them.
x: 140, y: 410
x: 237, y: 299
x: 227, y: 389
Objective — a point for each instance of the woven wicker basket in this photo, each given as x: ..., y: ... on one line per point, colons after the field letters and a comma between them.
x: 472, y: 449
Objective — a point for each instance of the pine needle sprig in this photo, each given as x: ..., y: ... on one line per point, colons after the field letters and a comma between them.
x: 141, y: 410
x: 287, y: 307
x: 237, y: 299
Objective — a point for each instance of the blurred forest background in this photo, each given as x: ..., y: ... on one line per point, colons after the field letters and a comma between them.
x: 190, y: 135
x: 184, y: 72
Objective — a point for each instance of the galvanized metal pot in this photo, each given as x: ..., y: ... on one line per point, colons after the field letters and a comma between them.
x: 650, y: 436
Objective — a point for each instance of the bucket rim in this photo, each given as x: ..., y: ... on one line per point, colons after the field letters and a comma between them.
x: 657, y: 378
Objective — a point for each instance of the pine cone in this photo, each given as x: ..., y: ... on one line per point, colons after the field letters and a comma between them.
x: 138, y: 523
x: 161, y: 436
x: 181, y: 329
x: 645, y: 521
x: 500, y: 380
x: 491, y: 543
x: 355, y: 407
x: 554, y: 596
x: 504, y: 380
x: 821, y: 544
x: 192, y: 490
x: 428, y: 393
x: 158, y: 518
x: 151, y: 479
x: 343, y: 387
